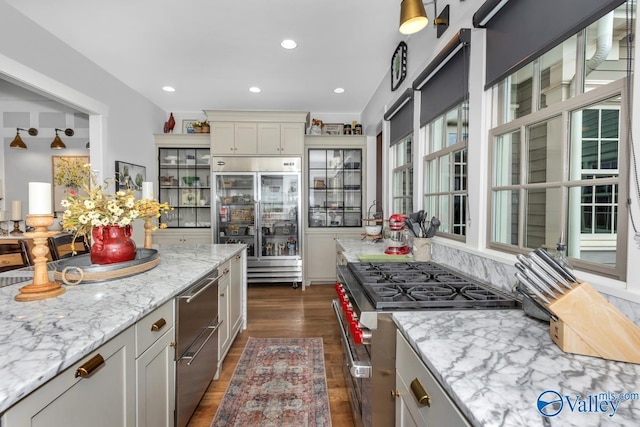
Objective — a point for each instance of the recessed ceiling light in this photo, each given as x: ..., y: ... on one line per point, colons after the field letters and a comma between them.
x: 338, y: 90
x: 168, y: 89
x: 289, y: 44
x: 255, y: 89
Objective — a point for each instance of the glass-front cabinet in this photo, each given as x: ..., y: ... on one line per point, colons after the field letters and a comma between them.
x: 184, y: 178
x: 335, y: 187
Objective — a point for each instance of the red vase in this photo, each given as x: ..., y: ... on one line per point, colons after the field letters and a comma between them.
x: 112, y: 244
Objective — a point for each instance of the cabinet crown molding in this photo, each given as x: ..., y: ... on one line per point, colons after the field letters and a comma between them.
x: 257, y: 116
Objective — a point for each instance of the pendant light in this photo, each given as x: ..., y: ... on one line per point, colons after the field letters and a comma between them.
x: 18, y: 142
x: 57, y: 143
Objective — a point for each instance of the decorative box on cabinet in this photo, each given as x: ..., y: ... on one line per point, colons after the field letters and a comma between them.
x: 420, y: 400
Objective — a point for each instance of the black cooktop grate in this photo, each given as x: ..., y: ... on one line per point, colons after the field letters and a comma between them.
x: 423, y: 285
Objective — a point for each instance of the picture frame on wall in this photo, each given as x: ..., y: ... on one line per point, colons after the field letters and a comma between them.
x: 60, y: 192
x: 130, y: 176
x: 187, y: 126
x: 398, y: 66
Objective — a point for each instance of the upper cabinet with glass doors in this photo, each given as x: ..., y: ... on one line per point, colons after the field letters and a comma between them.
x: 335, y: 187
x: 184, y: 177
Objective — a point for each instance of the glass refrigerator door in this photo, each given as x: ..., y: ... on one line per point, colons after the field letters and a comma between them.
x: 235, y: 207
x: 279, y: 215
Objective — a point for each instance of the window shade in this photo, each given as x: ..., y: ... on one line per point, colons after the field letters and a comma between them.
x: 444, y: 83
x: 400, y: 115
x: 522, y: 30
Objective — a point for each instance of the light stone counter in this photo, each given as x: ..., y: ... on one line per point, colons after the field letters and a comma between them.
x: 39, y: 339
x: 354, y: 247
x: 495, y: 363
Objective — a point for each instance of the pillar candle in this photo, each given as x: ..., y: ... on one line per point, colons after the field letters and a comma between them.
x: 16, y: 210
x: 40, y: 198
x: 3, y: 216
x: 147, y: 190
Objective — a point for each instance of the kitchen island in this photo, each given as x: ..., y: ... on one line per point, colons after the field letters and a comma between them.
x: 40, y: 339
x: 494, y: 364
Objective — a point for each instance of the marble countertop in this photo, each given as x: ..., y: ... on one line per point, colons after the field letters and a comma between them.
x: 495, y: 363
x: 39, y: 339
x: 354, y: 247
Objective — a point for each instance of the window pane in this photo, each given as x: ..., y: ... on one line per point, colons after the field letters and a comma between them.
x: 520, y: 93
x: 557, y: 73
x: 505, y: 217
x: 452, y: 127
x: 459, y: 214
x: 506, y: 159
x: 444, y: 214
x: 544, y: 151
x: 592, y: 232
x: 445, y: 175
x: 595, y: 140
x: 542, y: 217
x: 437, y: 139
x: 460, y: 170
x: 431, y: 176
x: 606, y: 44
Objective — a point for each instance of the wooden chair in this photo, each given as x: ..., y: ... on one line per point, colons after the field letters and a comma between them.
x: 62, y: 246
x: 13, y: 255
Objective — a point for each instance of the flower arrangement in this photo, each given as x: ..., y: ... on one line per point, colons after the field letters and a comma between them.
x: 95, y: 207
x: 200, y: 124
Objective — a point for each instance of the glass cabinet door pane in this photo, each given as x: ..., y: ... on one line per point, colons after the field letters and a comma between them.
x: 235, y: 209
x: 279, y: 215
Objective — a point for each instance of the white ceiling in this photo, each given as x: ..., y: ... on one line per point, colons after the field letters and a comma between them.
x: 212, y: 51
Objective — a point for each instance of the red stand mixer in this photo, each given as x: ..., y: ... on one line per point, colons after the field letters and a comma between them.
x: 395, y: 237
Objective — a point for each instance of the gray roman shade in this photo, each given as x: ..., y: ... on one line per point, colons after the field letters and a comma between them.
x: 444, y: 83
x: 401, y: 116
x: 519, y: 31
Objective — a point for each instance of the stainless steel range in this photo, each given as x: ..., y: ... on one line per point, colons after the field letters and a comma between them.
x: 367, y: 295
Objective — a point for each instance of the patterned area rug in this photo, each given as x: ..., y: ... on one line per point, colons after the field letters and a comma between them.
x: 278, y: 382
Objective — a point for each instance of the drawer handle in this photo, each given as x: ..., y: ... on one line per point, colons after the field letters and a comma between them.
x: 159, y: 324
x: 225, y: 272
x: 420, y: 393
x: 90, y: 366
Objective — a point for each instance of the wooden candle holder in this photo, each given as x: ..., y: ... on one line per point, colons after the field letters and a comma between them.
x: 590, y: 325
x: 41, y: 287
x: 148, y: 227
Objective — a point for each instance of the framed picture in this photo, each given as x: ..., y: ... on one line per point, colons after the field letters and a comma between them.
x: 333, y: 128
x: 130, y: 176
x: 60, y: 192
x: 187, y: 126
x: 189, y: 197
x: 398, y: 66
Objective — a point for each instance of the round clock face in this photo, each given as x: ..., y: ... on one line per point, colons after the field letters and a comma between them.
x: 398, y: 65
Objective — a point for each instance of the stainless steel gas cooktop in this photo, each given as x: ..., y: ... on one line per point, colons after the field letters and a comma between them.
x: 424, y: 285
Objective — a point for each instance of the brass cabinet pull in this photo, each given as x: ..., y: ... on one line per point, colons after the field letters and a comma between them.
x: 225, y: 271
x: 159, y: 324
x: 420, y: 393
x: 90, y: 366
x: 222, y: 295
x: 238, y: 256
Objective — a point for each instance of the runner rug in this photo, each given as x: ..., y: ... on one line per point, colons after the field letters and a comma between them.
x: 278, y: 382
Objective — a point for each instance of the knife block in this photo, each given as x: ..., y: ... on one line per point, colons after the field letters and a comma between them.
x: 590, y: 325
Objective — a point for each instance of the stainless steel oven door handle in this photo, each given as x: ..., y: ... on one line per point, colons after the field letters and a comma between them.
x: 210, y: 283
x: 192, y: 358
x: 357, y: 369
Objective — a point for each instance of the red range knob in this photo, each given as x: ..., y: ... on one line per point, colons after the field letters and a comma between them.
x: 357, y: 336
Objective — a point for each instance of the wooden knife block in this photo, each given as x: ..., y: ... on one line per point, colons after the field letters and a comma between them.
x: 590, y: 325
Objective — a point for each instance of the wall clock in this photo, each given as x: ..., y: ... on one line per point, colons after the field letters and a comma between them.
x: 398, y: 65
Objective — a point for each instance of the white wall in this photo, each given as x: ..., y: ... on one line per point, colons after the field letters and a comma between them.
x: 122, y: 121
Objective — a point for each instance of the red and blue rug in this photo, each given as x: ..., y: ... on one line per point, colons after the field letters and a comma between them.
x: 278, y: 382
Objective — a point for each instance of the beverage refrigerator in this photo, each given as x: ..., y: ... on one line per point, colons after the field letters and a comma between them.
x: 257, y: 202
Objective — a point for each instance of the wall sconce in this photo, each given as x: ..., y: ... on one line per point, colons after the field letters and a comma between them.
x: 413, y: 17
x: 57, y: 143
x: 18, y: 142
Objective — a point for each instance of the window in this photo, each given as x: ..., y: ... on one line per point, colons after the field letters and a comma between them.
x: 402, y: 177
x: 556, y: 161
x: 445, y: 167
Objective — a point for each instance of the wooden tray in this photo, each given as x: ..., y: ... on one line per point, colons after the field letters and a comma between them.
x: 78, y: 269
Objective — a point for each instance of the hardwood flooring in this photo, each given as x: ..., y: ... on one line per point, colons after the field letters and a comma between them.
x: 279, y: 311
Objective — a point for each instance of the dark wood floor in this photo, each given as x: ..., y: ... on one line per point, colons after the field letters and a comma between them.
x: 279, y: 311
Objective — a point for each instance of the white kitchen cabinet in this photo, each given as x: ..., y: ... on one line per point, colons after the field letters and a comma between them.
x: 231, y: 296
x: 155, y: 368
x: 104, y: 398
x: 426, y: 403
x: 285, y: 139
x: 271, y: 133
x: 320, y: 254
